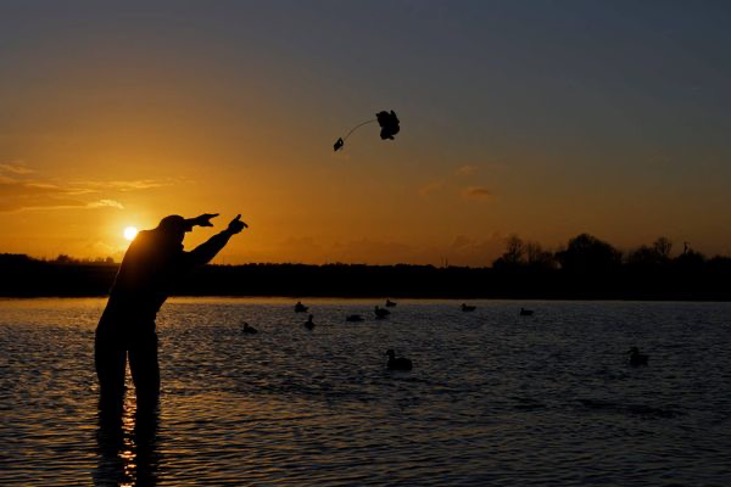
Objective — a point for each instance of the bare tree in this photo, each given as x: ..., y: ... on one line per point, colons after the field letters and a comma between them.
x: 514, y: 250
x: 537, y: 257
x: 663, y: 246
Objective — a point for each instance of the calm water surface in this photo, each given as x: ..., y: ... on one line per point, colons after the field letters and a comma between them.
x: 494, y: 398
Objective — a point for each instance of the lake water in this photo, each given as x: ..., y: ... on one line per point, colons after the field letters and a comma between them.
x: 494, y: 398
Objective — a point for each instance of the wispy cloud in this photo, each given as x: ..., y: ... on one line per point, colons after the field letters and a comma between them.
x: 23, y: 188
x: 105, y: 203
x: 477, y: 193
x: 16, y: 168
x: 19, y: 195
x: 467, y: 170
x: 431, y: 187
x: 455, y: 184
x: 121, y: 185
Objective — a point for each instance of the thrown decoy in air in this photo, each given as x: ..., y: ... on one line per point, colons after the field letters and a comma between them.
x: 248, y: 329
x: 300, y: 308
x: 389, y: 303
x: 388, y: 122
x: 467, y: 308
x: 381, y: 313
x: 354, y: 318
x: 635, y: 358
x: 526, y: 312
x: 397, y: 364
x: 309, y: 324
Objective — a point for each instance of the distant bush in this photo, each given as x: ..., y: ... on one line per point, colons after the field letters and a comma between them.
x: 587, y: 268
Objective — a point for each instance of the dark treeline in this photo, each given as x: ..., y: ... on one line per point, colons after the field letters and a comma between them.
x: 586, y: 269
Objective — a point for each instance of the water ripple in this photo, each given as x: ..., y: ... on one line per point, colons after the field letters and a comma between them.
x: 493, y: 399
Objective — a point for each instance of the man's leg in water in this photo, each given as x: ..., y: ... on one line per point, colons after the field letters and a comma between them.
x: 145, y: 370
x: 110, y: 360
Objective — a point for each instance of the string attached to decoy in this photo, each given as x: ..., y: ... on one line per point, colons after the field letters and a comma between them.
x: 388, y: 121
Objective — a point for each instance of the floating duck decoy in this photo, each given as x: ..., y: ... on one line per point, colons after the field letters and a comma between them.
x: 309, y: 324
x: 635, y: 358
x: 397, y: 364
x: 526, y: 312
x: 248, y: 329
x: 467, y: 308
x: 389, y: 303
x: 300, y: 308
x: 354, y: 318
x: 381, y: 313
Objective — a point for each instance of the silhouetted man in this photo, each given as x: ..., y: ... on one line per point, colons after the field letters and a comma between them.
x: 154, y: 261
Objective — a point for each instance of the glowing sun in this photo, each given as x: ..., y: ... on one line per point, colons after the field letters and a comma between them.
x: 130, y: 232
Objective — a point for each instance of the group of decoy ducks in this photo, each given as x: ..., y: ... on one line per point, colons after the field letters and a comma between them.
x: 525, y: 312
x: 383, y: 312
x: 379, y: 313
x: 635, y: 357
x: 393, y: 362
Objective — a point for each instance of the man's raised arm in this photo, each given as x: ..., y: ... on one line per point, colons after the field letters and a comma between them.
x: 209, y: 249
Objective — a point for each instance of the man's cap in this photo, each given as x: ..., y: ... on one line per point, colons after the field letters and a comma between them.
x: 175, y: 223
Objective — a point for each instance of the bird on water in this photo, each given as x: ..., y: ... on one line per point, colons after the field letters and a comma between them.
x: 467, y: 308
x: 248, y: 329
x: 635, y: 358
x: 381, y: 313
x: 397, y: 364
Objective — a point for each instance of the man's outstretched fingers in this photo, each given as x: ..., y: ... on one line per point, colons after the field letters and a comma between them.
x: 238, y: 217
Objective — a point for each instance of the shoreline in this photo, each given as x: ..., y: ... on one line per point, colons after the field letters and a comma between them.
x: 26, y: 278
x: 379, y: 297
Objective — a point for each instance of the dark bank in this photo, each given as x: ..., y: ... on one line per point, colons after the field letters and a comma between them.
x: 696, y: 279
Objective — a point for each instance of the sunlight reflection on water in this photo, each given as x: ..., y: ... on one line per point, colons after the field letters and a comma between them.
x: 494, y: 398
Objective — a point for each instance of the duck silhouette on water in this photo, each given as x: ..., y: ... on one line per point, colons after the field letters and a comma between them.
x: 248, y: 329
x: 300, y: 308
x: 635, y: 358
x: 467, y: 308
x: 309, y: 324
x: 526, y: 312
x: 381, y: 313
x: 397, y: 364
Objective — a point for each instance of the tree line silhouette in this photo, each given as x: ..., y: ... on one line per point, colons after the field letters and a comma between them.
x: 586, y: 268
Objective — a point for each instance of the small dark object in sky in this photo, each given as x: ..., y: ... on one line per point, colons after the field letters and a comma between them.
x: 388, y: 122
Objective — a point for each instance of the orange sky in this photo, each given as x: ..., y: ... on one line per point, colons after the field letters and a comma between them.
x: 136, y: 115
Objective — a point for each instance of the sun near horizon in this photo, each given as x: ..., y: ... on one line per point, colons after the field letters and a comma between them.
x: 577, y: 118
x: 130, y: 232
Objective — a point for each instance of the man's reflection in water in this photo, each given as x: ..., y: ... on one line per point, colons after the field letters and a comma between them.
x: 127, y: 446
